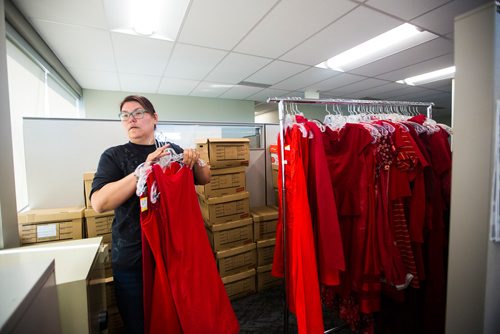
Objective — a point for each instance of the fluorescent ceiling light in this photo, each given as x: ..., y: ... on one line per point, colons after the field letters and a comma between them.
x: 145, y: 18
x: 160, y: 19
x: 393, y: 41
x: 445, y: 73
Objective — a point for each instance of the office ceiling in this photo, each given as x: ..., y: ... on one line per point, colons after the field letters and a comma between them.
x: 277, y: 43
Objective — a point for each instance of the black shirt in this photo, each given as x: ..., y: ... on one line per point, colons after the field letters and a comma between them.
x: 116, y: 163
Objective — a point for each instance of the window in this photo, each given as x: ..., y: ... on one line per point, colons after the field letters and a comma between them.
x: 33, y: 92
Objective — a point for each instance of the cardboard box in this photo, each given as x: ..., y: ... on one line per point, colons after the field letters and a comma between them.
x: 225, y: 152
x: 42, y: 225
x: 108, y: 269
x: 265, y: 219
x: 110, y: 292
x: 240, y: 285
x: 230, y: 235
x: 98, y: 223
x: 275, y: 178
x: 273, y: 150
x: 265, y: 252
x: 265, y: 279
x: 236, y: 260
x: 87, y: 187
x: 225, y: 181
x: 223, y: 209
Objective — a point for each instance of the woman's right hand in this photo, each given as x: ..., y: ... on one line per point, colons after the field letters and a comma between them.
x: 156, y: 155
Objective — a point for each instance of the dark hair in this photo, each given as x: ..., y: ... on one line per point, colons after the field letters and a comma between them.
x: 144, y: 102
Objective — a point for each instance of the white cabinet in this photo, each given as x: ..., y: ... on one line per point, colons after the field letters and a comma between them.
x: 29, y: 298
x: 79, y: 278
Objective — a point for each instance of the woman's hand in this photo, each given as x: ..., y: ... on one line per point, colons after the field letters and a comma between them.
x: 156, y: 155
x: 191, y: 157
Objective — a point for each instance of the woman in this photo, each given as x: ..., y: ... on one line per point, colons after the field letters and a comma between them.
x: 114, y: 188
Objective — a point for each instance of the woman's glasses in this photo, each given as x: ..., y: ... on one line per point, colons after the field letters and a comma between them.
x: 136, y: 114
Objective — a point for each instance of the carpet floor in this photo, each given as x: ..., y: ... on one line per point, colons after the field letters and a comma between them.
x: 263, y: 313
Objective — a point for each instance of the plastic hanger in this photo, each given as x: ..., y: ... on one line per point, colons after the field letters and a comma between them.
x: 171, y: 156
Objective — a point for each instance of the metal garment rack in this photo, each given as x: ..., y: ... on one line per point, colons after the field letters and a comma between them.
x: 281, y: 110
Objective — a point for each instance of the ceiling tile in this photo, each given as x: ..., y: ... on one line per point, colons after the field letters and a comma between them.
x: 431, y: 49
x: 441, y: 20
x: 62, y: 39
x: 406, y: 9
x: 420, y: 68
x: 139, y: 83
x: 405, y: 93
x: 276, y: 72
x: 221, y: 23
x: 305, y: 79
x: 374, y: 91
x: 236, y: 67
x: 425, y: 95
x: 354, y: 28
x: 240, y: 92
x: 264, y: 94
x: 339, y: 79
x: 100, y: 80
x: 176, y: 86
x: 442, y: 85
x: 360, y: 85
x: 192, y: 62
x: 390, y: 90
x: 85, y: 13
x: 153, y: 54
x: 281, y: 30
x: 210, y: 89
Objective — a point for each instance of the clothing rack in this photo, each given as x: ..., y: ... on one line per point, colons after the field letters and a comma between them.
x: 281, y: 112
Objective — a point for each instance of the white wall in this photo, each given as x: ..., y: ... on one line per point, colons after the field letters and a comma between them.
x: 492, y: 302
x: 268, y: 117
x: 100, y: 104
x: 473, y: 123
x: 9, y: 236
x: 61, y: 150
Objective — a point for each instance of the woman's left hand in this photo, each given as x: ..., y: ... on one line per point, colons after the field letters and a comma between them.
x: 191, y: 157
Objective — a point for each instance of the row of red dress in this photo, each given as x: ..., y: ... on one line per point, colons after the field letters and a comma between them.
x: 374, y: 196
x: 183, y: 292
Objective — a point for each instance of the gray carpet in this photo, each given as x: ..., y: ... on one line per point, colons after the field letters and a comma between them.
x: 263, y: 313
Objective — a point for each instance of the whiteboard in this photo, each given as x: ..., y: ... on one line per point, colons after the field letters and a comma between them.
x: 59, y: 151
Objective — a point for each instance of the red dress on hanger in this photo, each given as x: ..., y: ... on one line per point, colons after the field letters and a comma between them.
x: 330, y: 254
x: 187, y: 294
x: 302, y: 272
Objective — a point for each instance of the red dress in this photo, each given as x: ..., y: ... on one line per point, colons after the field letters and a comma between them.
x: 330, y: 254
x: 186, y: 294
x: 346, y: 152
x: 438, y: 192
x: 302, y: 272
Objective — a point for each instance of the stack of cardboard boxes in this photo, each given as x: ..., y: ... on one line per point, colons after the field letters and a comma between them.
x: 265, y: 220
x: 44, y: 225
x: 224, y: 204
